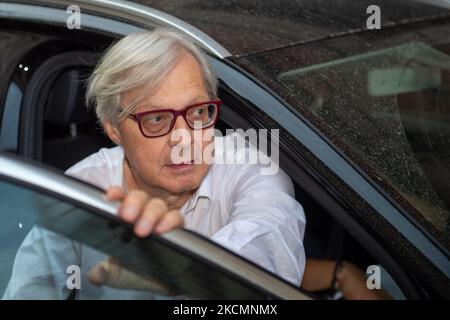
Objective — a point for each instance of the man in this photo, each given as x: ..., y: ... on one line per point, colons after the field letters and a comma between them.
x: 156, y: 97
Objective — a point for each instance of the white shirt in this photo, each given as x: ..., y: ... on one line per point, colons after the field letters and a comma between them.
x: 254, y: 215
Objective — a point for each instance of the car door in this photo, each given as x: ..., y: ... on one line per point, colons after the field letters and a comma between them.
x: 55, y: 229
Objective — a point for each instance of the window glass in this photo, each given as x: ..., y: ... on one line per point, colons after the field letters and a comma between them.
x: 9, y: 133
x: 385, y: 103
x: 49, y: 247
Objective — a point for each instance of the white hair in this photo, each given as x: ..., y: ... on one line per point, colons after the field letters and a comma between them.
x: 140, y: 59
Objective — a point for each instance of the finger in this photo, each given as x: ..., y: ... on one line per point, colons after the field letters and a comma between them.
x: 154, y: 210
x: 111, y: 273
x: 172, y: 220
x: 115, y: 193
x: 105, y: 273
x: 97, y: 275
x: 133, y: 205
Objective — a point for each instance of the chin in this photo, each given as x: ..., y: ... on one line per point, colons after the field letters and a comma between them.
x: 182, y: 188
x: 187, y: 180
x: 179, y: 184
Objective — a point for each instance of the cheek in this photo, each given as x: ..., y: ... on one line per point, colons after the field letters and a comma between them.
x: 146, y: 154
x: 202, y: 141
x: 205, y: 145
x: 154, y: 153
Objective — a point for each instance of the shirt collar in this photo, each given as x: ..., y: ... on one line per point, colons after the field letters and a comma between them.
x: 204, y: 191
x: 118, y: 179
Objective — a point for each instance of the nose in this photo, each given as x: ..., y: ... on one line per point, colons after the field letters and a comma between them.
x: 183, y: 134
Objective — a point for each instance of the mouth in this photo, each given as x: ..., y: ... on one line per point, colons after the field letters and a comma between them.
x: 181, y: 166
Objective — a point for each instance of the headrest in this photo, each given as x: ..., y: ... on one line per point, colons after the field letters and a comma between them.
x: 65, y: 104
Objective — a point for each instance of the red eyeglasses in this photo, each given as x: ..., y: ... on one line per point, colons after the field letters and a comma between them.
x: 157, y: 123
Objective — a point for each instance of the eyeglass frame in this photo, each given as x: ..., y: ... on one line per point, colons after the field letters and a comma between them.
x: 176, y: 113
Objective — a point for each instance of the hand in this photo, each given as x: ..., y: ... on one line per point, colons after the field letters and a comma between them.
x: 318, y: 274
x: 146, y: 214
x: 110, y: 273
x: 353, y: 285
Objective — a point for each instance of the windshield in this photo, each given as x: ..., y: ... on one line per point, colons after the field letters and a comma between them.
x: 384, y: 100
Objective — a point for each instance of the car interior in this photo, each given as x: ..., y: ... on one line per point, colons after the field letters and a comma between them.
x: 69, y: 134
x: 68, y: 131
x: 61, y: 131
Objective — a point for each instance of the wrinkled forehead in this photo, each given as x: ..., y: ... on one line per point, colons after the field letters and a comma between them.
x: 182, y: 86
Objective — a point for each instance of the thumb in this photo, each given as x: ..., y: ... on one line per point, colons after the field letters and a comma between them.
x: 110, y: 273
x: 115, y: 193
x: 104, y: 272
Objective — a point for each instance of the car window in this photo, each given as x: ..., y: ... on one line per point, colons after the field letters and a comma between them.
x: 48, y: 246
x: 385, y: 103
x: 9, y: 133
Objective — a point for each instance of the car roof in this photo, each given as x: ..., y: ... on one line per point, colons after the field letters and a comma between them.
x: 250, y: 26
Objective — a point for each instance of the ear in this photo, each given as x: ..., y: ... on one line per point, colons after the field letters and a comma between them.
x: 113, y: 132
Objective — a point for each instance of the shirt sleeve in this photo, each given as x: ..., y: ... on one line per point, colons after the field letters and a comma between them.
x: 266, y: 224
x: 39, y: 270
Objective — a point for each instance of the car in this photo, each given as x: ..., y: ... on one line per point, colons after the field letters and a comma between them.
x: 362, y: 120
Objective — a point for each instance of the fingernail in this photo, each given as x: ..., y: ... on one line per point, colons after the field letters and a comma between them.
x: 98, y: 275
x: 162, y: 227
x: 130, y: 213
x: 143, y: 228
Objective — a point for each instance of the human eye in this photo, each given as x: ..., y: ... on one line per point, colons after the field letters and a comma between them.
x: 199, y: 112
x: 155, y: 119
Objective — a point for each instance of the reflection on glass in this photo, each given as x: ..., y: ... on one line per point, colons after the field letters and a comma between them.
x: 392, y: 107
x: 59, y: 242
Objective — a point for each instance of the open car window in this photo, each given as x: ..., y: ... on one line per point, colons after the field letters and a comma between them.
x: 55, y: 229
